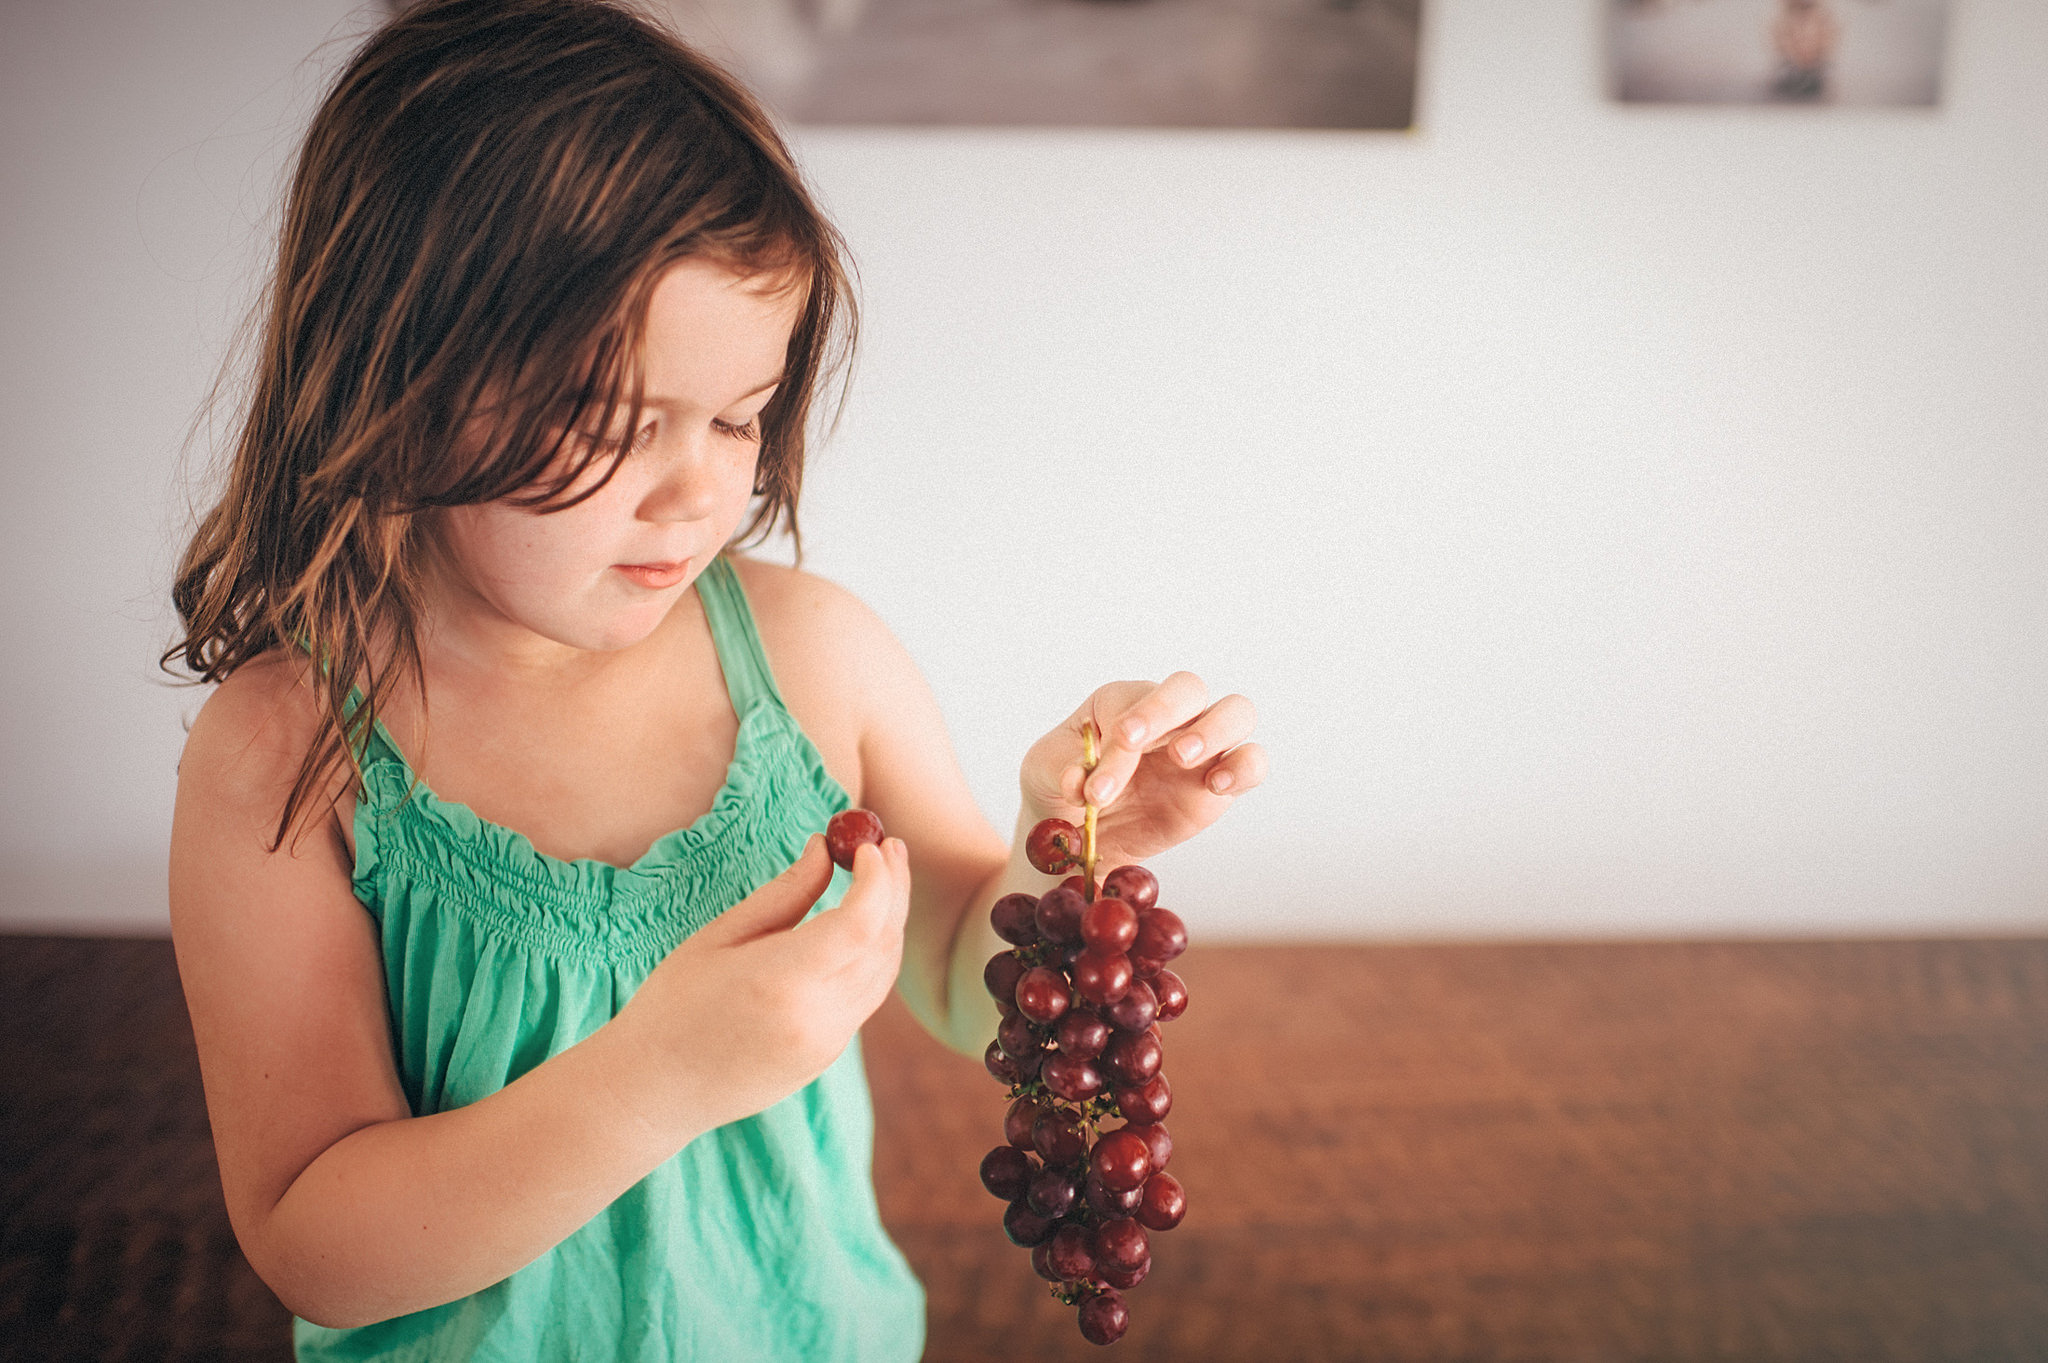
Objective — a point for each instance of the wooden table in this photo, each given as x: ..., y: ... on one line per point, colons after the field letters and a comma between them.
x: 1566, y: 1153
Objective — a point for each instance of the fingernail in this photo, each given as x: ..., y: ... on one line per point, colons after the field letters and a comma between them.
x: 1103, y: 788
x: 1133, y: 731
x: 1220, y: 782
x: 1189, y: 748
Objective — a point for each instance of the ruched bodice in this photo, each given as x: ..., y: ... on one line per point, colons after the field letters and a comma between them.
x: 760, y: 1240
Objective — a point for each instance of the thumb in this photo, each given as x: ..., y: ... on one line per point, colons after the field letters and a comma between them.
x: 782, y: 902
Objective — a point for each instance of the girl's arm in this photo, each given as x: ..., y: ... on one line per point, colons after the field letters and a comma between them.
x: 907, y: 774
x: 349, y: 1207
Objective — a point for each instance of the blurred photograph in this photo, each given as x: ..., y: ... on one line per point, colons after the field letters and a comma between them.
x: 1142, y: 63
x: 1813, y: 52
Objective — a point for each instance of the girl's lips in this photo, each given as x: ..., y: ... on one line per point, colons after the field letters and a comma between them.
x: 655, y: 576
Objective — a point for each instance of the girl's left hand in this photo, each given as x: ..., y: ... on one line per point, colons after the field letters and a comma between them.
x: 1170, y: 764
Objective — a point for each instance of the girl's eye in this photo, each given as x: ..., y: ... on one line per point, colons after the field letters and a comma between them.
x: 618, y: 446
x: 750, y: 431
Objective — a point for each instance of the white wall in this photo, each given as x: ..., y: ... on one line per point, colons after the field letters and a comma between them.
x: 1629, y: 520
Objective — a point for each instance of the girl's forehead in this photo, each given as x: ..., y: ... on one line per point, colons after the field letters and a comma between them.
x: 698, y: 282
x: 710, y: 326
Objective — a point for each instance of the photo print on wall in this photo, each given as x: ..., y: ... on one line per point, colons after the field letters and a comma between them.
x: 1072, y: 63
x: 1797, y: 52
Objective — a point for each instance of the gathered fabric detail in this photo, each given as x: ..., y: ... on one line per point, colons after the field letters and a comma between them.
x: 588, y: 909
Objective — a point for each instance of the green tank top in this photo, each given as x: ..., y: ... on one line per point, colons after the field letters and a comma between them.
x: 760, y: 1240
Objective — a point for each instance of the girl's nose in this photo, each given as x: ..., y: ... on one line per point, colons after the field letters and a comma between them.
x: 687, y: 485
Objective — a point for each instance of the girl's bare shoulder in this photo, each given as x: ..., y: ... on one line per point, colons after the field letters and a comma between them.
x: 262, y: 715
x: 251, y: 736
x: 812, y: 625
x: 837, y: 664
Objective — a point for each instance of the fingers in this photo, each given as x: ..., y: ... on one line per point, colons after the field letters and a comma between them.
x: 881, y: 884
x: 1216, y: 730
x: 871, y: 915
x: 1237, y: 771
x: 1140, y: 726
x: 781, y: 903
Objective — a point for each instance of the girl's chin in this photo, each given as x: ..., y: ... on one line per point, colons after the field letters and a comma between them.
x: 609, y: 627
x: 623, y: 631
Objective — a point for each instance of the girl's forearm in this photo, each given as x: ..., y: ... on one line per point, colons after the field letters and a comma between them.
x: 968, y: 1014
x: 404, y: 1215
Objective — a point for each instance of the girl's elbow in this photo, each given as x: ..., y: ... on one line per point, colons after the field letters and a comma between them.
x: 330, y: 1308
x: 306, y: 1282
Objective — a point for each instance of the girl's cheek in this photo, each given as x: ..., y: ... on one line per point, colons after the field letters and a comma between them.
x: 499, y: 546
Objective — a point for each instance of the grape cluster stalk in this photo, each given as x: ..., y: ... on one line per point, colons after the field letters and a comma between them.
x: 1083, y: 989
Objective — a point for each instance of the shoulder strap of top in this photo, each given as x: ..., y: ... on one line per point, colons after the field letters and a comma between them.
x: 378, y: 746
x: 748, y: 680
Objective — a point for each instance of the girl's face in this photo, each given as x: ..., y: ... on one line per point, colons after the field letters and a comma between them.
x: 605, y: 572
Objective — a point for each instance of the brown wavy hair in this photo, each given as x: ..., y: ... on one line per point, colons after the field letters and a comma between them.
x: 482, y: 208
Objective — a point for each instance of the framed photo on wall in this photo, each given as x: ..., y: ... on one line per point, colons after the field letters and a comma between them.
x: 1797, y: 52
x: 1100, y: 63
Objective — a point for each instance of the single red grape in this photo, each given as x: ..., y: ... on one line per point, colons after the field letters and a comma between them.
x: 1074, y: 1080
x: 1102, y: 977
x: 1006, y: 1171
x: 1133, y: 1057
x: 1108, y: 1204
x: 1053, y: 846
x: 1041, y: 1261
x: 1015, y: 919
x: 1104, y: 1317
x: 1018, y: 1121
x: 1125, y: 1279
x: 1015, y: 1036
x: 1058, y: 1138
x: 1042, y: 995
x: 1025, y: 1227
x: 1082, y: 1034
x: 1155, y: 1136
x: 1136, y: 1010
x: 1109, y: 925
x: 1147, y: 1104
x: 1121, y: 1244
x: 1001, y: 1066
x: 1059, y: 915
x: 1070, y: 1254
x: 1052, y: 1192
x: 1135, y: 885
x: 1172, y: 992
x: 1165, y: 1203
x: 1121, y: 1160
x: 1001, y: 974
x: 1161, y: 935
x: 1081, y: 886
x: 849, y: 829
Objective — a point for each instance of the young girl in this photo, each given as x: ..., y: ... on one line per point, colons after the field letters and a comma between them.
x: 525, y: 993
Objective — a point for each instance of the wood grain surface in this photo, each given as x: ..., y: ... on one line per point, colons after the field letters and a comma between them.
x: 1566, y: 1153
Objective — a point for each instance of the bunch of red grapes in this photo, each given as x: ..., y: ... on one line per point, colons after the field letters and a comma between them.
x: 1082, y: 990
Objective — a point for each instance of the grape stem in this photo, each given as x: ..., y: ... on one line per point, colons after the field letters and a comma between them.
x: 1089, y: 759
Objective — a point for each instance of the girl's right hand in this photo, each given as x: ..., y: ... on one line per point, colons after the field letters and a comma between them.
x: 758, y: 1003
